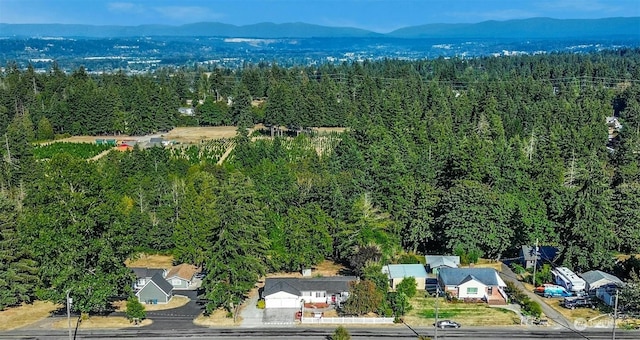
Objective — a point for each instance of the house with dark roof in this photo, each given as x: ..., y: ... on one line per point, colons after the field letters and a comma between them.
x: 602, y: 285
x: 156, y: 290
x: 143, y: 275
x: 181, y: 276
x: 473, y: 284
x: 289, y: 292
x: 398, y: 272
x: 545, y: 254
x: 435, y: 262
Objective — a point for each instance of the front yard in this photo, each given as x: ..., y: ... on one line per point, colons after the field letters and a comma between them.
x: 467, y: 314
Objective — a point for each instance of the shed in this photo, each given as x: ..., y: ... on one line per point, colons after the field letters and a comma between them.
x: 398, y: 272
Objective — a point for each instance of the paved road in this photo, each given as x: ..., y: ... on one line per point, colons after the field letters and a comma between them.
x: 389, y: 332
x: 508, y: 275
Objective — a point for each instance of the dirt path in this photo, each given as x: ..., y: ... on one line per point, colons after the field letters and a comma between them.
x: 100, y: 155
x: 226, y: 154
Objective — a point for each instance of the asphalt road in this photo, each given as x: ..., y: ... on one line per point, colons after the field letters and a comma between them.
x: 393, y: 332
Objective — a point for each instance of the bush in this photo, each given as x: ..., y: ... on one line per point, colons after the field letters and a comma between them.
x: 261, y: 304
x: 532, y: 308
x: 341, y: 333
x: 135, y: 310
x: 518, y: 269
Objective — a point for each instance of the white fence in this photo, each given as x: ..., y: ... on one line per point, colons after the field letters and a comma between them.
x: 348, y: 320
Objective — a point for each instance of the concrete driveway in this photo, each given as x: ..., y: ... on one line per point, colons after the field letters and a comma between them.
x: 279, y: 316
x: 508, y: 275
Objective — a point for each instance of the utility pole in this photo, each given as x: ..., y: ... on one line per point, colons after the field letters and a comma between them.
x: 615, y: 316
x: 535, y: 263
x: 69, y: 313
x: 435, y: 334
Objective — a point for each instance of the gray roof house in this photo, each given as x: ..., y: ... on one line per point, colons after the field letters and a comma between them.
x: 435, y: 262
x: 545, y: 254
x: 156, y: 290
x: 288, y: 292
x: 473, y: 284
x: 143, y: 275
x: 602, y: 285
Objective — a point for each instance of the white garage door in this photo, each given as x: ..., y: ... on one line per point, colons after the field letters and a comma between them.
x: 281, y: 303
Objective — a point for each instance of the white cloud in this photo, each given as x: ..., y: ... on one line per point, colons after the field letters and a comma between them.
x: 499, y: 15
x: 124, y: 7
x: 187, y: 13
x: 579, y: 6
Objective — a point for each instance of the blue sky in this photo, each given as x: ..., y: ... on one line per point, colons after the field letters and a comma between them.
x: 376, y: 15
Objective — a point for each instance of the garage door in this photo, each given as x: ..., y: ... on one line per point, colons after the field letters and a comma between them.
x: 281, y: 303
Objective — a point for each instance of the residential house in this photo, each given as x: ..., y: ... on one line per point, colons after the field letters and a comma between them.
x: 602, y: 285
x: 143, y: 275
x: 473, y: 284
x: 289, y: 292
x: 156, y: 291
x: 398, y: 272
x: 181, y: 276
x: 435, y: 262
x: 546, y: 254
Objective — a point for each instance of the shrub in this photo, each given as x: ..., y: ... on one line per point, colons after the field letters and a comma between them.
x: 341, y: 333
x: 532, y: 308
x: 518, y: 269
x: 261, y: 304
x: 135, y: 310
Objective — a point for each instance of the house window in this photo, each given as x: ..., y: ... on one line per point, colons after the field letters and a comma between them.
x: 490, y: 290
x: 319, y: 294
x: 472, y: 290
x: 306, y: 293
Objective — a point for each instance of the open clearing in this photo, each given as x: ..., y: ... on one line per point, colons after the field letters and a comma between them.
x: 484, y: 263
x: 467, y: 314
x: 194, y: 135
x: 97, y: 322
x: 150, y: 261
x: 573, y: 314
x: 186, y: 135
x: 218, y: 318
x: 324, y: 268
x: 26, y: 314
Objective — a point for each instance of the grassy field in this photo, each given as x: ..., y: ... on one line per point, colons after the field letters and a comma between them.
x: 468, y: 314
x: 484, y: 263
x: 573, y: 314
x: 218, y: 318
x: 150, y: 261
x: 98, y: 322
x: 26, y: 314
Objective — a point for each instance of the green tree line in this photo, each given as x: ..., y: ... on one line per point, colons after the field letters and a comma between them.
x: 472, y: 157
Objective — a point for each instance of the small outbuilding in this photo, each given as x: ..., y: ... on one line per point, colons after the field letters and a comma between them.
x: 602, y: 285
x: 398, y: 272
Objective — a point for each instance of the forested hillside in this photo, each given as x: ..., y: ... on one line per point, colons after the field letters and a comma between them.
x: 473, y: 157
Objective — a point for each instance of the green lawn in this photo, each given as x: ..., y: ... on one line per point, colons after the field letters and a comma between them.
x: 468, y: 314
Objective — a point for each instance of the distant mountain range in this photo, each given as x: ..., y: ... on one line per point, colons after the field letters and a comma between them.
x: 534, y: 28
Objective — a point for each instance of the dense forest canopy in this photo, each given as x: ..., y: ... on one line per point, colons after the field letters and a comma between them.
x: 461, y: 156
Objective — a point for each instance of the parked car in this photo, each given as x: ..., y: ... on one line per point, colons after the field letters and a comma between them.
x: 549, y: 291
x: 573, y: 303
x: 447, y: 324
